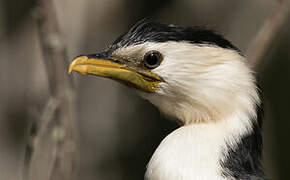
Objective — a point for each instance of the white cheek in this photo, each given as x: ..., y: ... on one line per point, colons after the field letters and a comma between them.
x: 201, y: 81
x: 209, y: 80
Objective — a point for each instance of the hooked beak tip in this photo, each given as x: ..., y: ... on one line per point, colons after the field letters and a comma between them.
x: 75, y: 62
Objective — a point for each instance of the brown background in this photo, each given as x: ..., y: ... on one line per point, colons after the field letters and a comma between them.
x: 117, y: 130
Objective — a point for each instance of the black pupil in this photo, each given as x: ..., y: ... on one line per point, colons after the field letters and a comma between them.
x: 152, y: 59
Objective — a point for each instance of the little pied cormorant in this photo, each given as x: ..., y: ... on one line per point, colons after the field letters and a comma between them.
x: 195, y: 75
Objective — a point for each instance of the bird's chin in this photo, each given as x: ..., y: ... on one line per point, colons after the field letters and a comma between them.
x: 143, y: 94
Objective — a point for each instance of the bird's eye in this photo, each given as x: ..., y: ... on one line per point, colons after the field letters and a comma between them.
x: 152, y: 59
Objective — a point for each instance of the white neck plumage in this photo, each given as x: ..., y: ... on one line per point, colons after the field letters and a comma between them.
x: 197, y: 150
x: 215, y: 96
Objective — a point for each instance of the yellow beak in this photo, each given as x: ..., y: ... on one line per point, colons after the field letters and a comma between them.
x: 140, y: 79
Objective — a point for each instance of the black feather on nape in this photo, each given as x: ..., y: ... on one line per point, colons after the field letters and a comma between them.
x: 156, y: 32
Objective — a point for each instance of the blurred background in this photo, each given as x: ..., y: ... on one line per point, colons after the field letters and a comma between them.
x: 117, y: 130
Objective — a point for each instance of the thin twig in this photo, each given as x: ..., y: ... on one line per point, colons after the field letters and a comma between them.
x: 53, y: 148
x: 48, y: 114
x: 42, y: 125
x: 269, y: 30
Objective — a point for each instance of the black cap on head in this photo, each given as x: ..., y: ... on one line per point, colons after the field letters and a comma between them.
x: 155, y: 32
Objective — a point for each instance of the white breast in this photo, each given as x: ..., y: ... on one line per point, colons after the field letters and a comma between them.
x: 195, y: 152
x: 190, y: 152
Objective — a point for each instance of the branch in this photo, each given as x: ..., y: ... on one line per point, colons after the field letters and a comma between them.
x: 268, y: 32
x: 53, y: 147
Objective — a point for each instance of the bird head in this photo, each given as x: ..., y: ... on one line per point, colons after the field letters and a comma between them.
x: 192, y: 74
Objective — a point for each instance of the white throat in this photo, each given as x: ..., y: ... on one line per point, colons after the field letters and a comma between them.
x: 196, y: 151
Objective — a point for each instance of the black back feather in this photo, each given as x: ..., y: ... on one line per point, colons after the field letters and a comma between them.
x: 244, y: 161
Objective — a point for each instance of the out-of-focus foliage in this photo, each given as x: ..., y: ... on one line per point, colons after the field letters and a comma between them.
x: 118, y: 131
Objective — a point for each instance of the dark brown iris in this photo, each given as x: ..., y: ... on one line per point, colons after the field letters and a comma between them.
x: 152, y: 59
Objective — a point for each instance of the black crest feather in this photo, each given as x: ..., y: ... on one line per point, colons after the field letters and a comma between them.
x: 156, y: 32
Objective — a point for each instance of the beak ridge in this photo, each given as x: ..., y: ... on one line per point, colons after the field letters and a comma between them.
x: 105, y: 67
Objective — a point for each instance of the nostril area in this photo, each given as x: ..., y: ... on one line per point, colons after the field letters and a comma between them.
x: 79, y: 56
x: 97, y: 55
